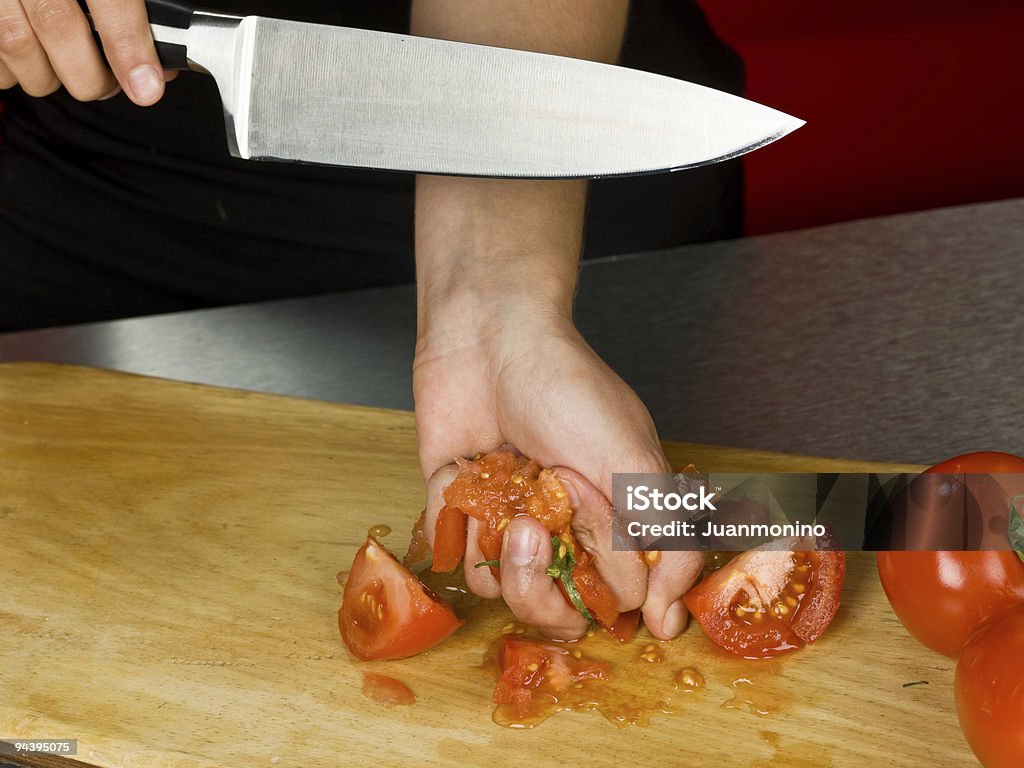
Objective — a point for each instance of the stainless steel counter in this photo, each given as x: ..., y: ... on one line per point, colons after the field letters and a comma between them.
x: 896, y: 338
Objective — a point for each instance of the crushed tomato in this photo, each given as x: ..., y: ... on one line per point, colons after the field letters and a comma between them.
x: 496, y: 487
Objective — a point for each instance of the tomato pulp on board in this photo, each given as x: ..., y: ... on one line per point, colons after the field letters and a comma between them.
x: 387, y: 691
x: 990, y: 690
x: 536, y: 675
x: 495, y: 488
x: 941, y: 597
x: 386, y: 612
x: 768, y: 601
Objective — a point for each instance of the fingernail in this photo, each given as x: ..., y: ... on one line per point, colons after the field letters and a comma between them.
x: 675, y: 619
x: 523, y: 543
x: 146, y: 82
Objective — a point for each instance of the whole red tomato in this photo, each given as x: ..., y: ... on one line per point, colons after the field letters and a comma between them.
x: 941, y: 597
x: 990, y: 690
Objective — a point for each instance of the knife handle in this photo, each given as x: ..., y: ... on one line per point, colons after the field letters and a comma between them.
x: 166, y: 13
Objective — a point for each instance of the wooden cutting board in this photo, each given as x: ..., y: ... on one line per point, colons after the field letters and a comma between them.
x: 168, y: 598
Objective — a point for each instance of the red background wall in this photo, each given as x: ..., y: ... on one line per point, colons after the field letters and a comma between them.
x: 909, y: 104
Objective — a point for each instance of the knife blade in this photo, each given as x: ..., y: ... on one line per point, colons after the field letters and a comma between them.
x: 313, y: 93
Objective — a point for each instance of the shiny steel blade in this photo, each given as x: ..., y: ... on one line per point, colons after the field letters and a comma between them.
x: 350, y: 97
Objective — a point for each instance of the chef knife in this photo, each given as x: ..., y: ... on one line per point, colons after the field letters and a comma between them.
x: 314, y: 93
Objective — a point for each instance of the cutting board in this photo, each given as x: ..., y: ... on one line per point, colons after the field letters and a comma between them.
x: 168, y: 598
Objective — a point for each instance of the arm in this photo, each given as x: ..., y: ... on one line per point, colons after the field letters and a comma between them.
x: 498, y: 359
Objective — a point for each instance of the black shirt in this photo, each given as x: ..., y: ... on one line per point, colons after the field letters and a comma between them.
x: 109, y: 210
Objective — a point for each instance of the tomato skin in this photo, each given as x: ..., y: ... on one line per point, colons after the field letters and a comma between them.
x: 990, y: 690
x: 449, y: 540
x: 386, y: 612
x: 712, y: 602
x: 942, y: 596
x: 593, y: 591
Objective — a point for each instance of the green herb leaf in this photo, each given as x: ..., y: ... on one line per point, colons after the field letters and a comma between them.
x: 1016, y: 530
x: 492, y: 563
x: 562, y: 563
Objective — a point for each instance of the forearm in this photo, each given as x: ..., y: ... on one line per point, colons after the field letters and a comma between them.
x: 480, y: 242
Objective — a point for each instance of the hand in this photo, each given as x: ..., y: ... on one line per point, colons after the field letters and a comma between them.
x: 45, y: 44
x: 524, y: 377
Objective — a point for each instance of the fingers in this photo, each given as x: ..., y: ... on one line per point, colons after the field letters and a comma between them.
x: 532, y: 595
x: 48, y: 43
x: 64, y: 33
x: 7, y: 79
x: 594, y: 522
x: 124, y: 28
x: 22, y: 53
x: 671, y: 576
x: 128, y: 44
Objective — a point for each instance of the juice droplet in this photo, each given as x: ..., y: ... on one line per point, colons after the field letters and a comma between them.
x: 379, y: 531
x: 747, y: 698
x: 689, y: 680
x: 652, y: 654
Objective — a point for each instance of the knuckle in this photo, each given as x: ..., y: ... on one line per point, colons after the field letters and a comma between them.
x: 90, y: 91
x: 56, y: 18
x: 42, y: 89
x: 16, y: 38
x: 125, y: 45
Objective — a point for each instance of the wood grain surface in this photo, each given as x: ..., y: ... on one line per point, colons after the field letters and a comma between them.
x: 168, y: 598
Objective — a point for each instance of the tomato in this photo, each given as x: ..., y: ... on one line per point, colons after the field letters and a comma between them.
x: 941, y: 597
x: 768, y: 601
x: 532, y: 671
x: 990, y: 690
x: 449, y: 540
x: 498, y: 486
x: 386, y: 612
x: 387, y: 691
x: 592, y: 590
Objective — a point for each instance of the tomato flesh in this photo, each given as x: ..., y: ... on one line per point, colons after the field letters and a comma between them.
x: 498, y: 486
x: 386, y: 612
x: 767, y: 601
x: 942, y: 596
x: 534, y: 673
x: 990, y: 690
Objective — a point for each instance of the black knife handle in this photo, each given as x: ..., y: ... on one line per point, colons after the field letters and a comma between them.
x: 167, y: 13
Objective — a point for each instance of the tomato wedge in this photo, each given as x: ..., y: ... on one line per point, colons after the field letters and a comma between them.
x: 768, y: 601
x: 532, y: 671
x: 386, y: 612
x: 941, y: 596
